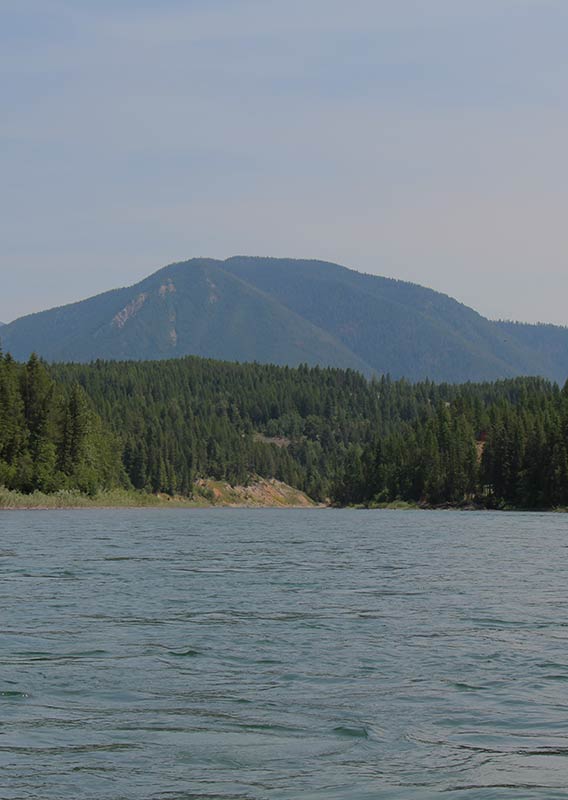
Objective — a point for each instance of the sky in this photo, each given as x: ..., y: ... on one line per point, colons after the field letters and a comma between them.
x: 423, y: 140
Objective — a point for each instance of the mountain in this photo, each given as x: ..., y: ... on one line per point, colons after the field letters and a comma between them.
x: 286, y: 311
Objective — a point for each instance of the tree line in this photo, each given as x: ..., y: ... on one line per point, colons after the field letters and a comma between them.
x: 504, y: 447
x: 159, y: 426
x: 50, y: 437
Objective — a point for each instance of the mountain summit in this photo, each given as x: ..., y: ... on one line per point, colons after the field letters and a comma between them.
x: 287, y: 311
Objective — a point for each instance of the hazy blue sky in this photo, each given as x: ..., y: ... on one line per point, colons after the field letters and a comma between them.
x: 420, y: 139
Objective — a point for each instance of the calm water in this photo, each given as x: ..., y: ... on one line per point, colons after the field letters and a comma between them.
x: 283, y: 654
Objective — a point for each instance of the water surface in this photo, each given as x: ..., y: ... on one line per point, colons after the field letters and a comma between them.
x: 337, y: 655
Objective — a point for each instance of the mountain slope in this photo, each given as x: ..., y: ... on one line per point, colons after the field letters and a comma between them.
x: 189, y: 308
x: 434, y: 335
x: 548, y: 342
x: 288, y: 312
x: 396, y: 327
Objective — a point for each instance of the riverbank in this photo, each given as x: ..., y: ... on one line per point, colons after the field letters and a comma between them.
x: 405, y: 505
x: 261, y: 493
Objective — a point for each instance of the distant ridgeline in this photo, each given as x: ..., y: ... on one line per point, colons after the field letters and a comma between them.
x: 159, y: 426
x: 281, y: 311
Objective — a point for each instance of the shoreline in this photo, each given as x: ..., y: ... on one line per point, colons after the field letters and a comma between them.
x: 261, y: 493
x: 189, y: 505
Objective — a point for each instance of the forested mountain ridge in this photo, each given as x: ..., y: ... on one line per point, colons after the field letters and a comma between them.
x: 194, y: 308
x: 548, y: 341
x: 288, y: 312
x: 164, y: 426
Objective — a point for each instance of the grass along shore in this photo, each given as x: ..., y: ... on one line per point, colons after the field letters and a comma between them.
x: 116, y: 498
x: 261, y: 493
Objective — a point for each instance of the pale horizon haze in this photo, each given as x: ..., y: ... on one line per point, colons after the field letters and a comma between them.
x: 424, y: 141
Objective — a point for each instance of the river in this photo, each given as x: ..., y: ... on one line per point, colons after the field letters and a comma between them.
x: 251, y: 654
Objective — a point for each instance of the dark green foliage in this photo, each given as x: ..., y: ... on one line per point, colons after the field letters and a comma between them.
x: 51, y: 439
x: 161, y: 425
x: 502, y: 444
x: 191, y: 418
x: 290, y: 312
x: 333, y: 433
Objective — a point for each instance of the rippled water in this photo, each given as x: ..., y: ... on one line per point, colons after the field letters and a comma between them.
x: 283, y: 654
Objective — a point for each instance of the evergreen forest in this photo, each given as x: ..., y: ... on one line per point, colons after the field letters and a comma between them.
x: 50, y: 437
x: 159, y: 426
